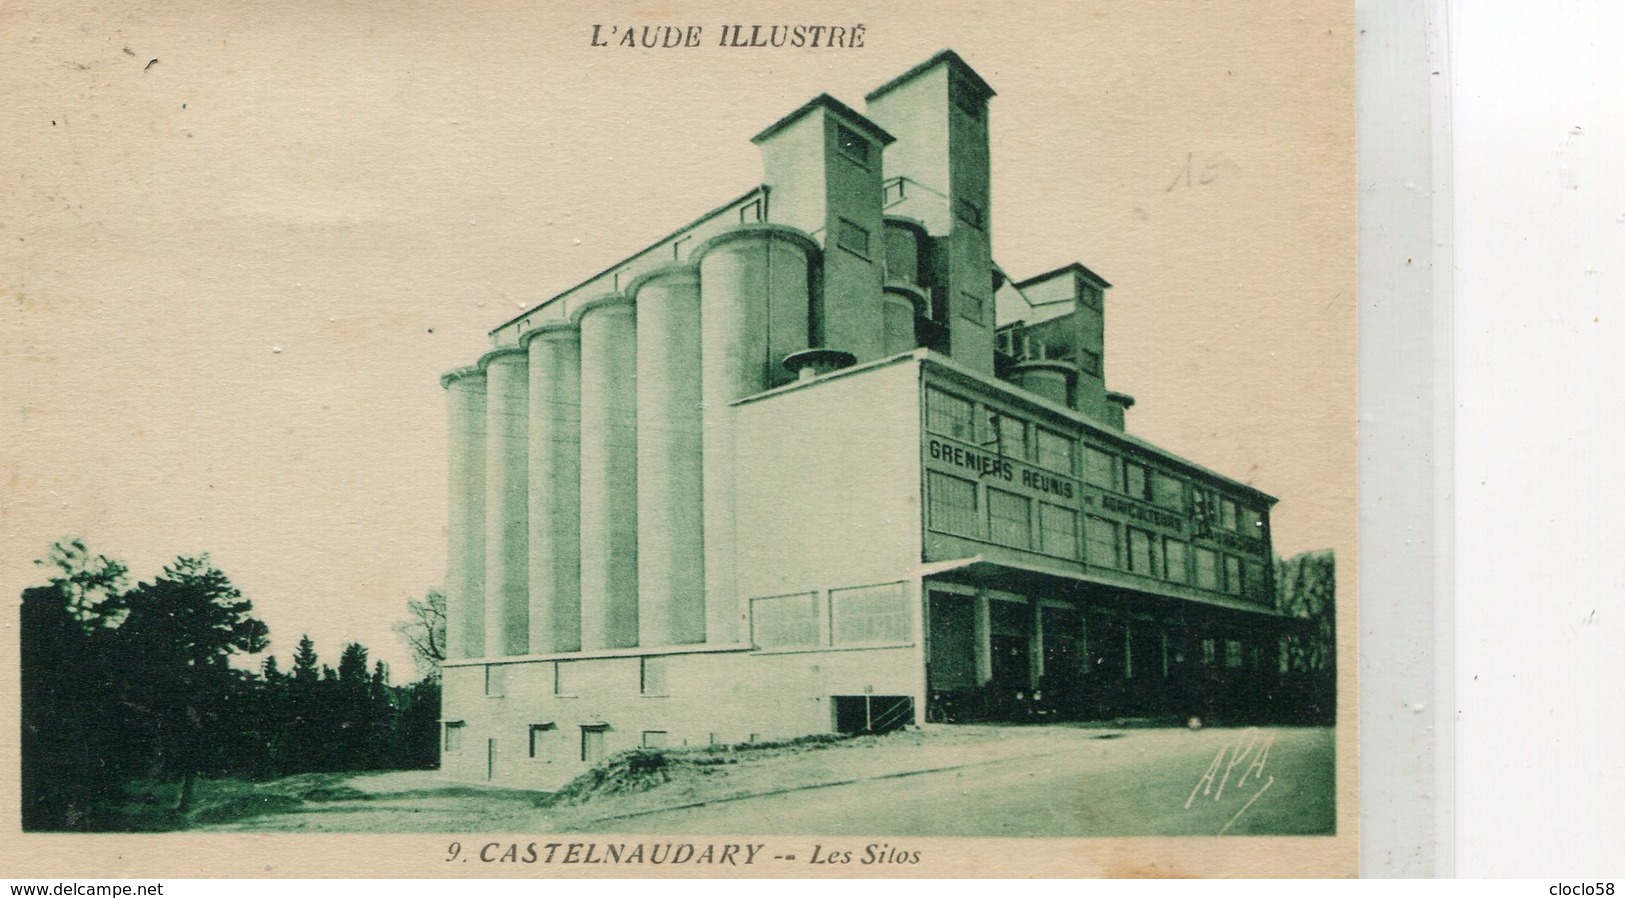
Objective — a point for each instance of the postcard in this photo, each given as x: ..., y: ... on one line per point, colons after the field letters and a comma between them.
x: 690, y: 440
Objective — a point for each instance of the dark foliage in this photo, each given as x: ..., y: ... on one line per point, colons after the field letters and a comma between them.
x: 123, y: 688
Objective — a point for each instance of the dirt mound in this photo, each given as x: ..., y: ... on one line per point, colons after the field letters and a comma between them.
x: 642, y: 769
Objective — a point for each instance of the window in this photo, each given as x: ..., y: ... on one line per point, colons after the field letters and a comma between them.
x: 538, y: 737
x: 1232, y: 653
x: 782, y: 621
x: 852, y: 145
x: 565, y: 676
x: 1007, y: 435
x: 654, y: 738
x: 751, y: 211
x: 1252, y: 579
x: 1205, y: 508
x: 972, y: 306
x: 496, y: 680
x: 869, y: 614
x: 1232, y: 575
x: 1057, y: 530
x: 1089, y: 362
x: 652, y: 675
x: 680, y: 246
x: 947, y: 414
x: 1207, y: 569
x: 892, y: 191
x: 1173, y: 552
x: 852, y: 238
x: 1102, y: 536
x: 592, y: 742
x: 1009, y: 518
x: 1227, y: 514
x: 968, y: 212
x: 1210, y: 651
x: 1167, y: 492
x: 1055, y: 452
x: 1135, y: 481
x: 454, y: 735
x: 1252, y: 521
x: 952, y: 504
x: 1142, y: 553
x: 1099, y: 468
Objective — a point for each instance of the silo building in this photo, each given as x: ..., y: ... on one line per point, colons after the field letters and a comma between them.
x: 814, y: 463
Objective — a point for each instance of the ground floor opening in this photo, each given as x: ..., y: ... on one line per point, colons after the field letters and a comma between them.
x: 1043, y: 648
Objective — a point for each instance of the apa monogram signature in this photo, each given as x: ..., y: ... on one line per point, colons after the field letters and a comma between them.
x: 1257, y: 749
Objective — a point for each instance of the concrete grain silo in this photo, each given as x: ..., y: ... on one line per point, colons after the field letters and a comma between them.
x: 465, y: 519
x: 671, y: 522
x: 609, y: 473
x: 555, y: 487
x: 813, y: 463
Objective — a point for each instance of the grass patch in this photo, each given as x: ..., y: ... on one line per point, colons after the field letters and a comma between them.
x: 149, y: 806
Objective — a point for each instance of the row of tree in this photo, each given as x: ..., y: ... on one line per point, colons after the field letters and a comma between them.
x: 129, y: 686
x: 1306, y: 592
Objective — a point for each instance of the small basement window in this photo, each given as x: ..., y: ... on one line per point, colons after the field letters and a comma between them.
x: 538, y: 737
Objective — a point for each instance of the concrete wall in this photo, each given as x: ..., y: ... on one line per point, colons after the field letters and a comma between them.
x: 708, y: 697
x: 828, y: 482
x: 940, y: 121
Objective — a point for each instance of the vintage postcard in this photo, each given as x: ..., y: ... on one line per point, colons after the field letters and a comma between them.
x: 691, y: 440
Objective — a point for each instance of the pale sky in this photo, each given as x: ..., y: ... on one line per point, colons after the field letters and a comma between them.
x: 232, y: 277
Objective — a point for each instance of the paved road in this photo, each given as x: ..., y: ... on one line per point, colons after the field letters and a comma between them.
x: 1140, y: 782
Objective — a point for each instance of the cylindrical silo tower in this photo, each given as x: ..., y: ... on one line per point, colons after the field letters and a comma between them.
x: 754, y: 308
x: 465, y: 517
x: 555, y: 487
x: 507, y: 502
x: 609, y: 473
x: 671, y: 542
x: 1051, y: 380
x: 900, y: 303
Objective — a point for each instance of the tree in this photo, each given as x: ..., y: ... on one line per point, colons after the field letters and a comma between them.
x: 305, y: 663
x: 85, y: 582
x: 176, y: 640
x: 425, y: 633
x: 1306, y: 591
x: 353, y: 665
x: 72, y: 762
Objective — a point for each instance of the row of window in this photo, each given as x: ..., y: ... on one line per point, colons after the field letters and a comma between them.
x: 539, y: 734
x: 1013, y: 437
x: 1022, y: 523
x: 569, y: 677
x: 865, y: 615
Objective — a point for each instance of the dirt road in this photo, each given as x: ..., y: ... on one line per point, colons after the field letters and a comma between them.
x: 951, y: 781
